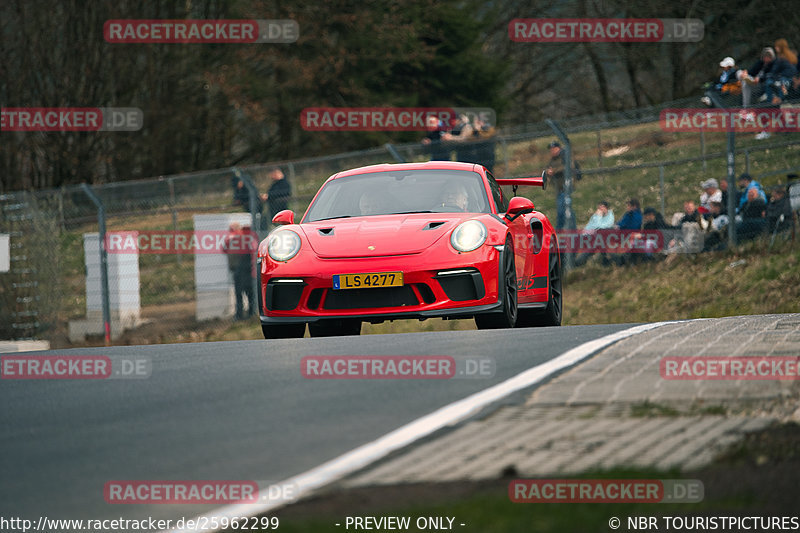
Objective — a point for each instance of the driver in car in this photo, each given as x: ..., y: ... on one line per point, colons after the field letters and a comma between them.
x: 373, y: 203
x: 455, y: 198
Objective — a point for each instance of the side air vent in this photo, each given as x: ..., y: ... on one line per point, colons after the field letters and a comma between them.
x: 326, y: 231
x: 432, y: 225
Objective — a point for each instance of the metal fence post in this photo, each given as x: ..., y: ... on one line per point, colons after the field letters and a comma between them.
x: 101, y: 222
x: 171, y: 184
x: 661, y: 184
x: 394, y: 153
x: 703, y: 148
x: 731, y: 162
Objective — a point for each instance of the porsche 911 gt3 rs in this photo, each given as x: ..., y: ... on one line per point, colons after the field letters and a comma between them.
x: 412, y: 240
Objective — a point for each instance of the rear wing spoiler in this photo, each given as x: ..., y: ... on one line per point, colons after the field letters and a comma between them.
x: 530, y: 181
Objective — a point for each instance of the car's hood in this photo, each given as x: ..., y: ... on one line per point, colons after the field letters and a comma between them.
x: 380, y: 235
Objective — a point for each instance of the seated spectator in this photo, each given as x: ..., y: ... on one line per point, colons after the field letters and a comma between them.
x: 752, y: 221
x: 723, y: 186
x: 653, y: 221
x: 771, y: 72
x: 603, y: 217
x: 727, y: 84
x: 746, y: 183
x: 632, y: 219
x: 712, y: 193
x: 719, y: 219
x: 779, y: 205
x: 783, y: 51
x: 717, y: 231
x: 689, y: 214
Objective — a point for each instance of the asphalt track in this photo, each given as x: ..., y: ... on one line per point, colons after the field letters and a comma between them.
x: 227, y: 411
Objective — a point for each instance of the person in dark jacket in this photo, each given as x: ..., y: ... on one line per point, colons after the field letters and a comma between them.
x: 753, y: 222
x: 280, y: 191
x: 632, y: 219
x: 779, y: 205
x: 775, y: 73
x: 434, y: 139
x: 240, y: 263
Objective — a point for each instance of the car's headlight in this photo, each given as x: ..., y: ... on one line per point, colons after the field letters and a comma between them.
x: 283, y: 245
x: 468, y: 236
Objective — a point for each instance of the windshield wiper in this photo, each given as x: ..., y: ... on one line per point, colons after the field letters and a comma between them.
x: 410, y: 212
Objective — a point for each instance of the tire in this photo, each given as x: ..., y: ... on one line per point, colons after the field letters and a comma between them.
x: 283, y: 331
x: 334, y: 327
x: 508, y: 317
x: 550, y: 315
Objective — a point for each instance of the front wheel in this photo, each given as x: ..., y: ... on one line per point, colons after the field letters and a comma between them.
x: 283, y: 331
x: 508, y: 317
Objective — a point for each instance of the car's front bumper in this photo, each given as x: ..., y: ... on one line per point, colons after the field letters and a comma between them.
x: 437, y: 283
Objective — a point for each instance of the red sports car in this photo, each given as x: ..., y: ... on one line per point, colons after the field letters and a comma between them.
x: 416, y: 240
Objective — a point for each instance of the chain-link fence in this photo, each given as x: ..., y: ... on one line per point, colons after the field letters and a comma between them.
x: 53, y: 288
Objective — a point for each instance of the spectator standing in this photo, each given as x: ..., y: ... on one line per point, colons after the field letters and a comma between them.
x: 555, y: 174
x: 241, y: 196
x: 280, y: 191
x: 434, y: 139
x: 238, y: 248
x: 483, y: 135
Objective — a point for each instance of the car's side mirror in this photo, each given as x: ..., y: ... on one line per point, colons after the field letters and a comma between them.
x: 544, y: 179
x: 283, y: 217
x: 518, y: 206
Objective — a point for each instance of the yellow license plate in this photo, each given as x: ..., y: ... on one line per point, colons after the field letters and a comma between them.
x: 368, y: 281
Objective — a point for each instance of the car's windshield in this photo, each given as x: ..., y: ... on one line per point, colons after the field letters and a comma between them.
x: 402, y: 191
